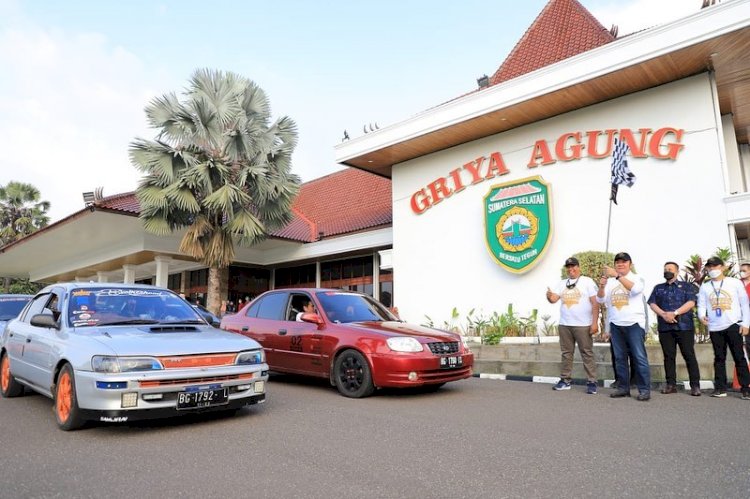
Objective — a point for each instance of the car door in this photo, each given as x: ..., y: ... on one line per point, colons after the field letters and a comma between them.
x: 41, y: 343
x: 301, y: 347
x: 267, y: 327
x: 19, y: 337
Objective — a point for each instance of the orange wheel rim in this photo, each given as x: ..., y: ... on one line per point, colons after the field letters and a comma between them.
x: 64, y: 397
x: 5, y: 374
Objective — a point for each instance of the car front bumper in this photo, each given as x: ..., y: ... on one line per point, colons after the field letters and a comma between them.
x: 394, y: 369
x: 154, y: 394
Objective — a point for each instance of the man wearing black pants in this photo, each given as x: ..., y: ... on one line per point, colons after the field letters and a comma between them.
x: 673, y: 303
x: 723, y: 306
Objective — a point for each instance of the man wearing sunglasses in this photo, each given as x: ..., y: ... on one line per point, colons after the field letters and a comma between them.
x: 579, y: 322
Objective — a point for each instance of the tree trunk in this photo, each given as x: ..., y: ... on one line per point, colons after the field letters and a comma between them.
x: 6, y: 284
x: 213, y: 300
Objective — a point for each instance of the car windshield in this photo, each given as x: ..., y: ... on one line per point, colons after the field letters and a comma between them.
x: 119, y: 306
x: 350, y: 307
x: 11, y: 306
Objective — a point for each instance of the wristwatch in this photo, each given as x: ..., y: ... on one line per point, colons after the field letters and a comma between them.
x: 676, y: 314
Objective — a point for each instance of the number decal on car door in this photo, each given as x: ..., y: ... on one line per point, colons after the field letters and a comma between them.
x: 295, y: 343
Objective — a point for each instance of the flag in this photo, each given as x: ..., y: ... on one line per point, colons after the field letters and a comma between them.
x: 621, y: 174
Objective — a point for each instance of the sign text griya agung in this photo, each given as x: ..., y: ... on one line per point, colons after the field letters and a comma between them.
x: 663, y: 143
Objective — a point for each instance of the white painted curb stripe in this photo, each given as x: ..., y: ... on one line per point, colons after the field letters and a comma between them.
x: 546, y: 379
x: 492, y: 376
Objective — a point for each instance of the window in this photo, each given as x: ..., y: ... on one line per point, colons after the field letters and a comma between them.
x: 302, y: 276
x: 253, y: 310
x: 36, y: 307
x: 272, y: 306
x: 174, y: 281
x: 352, y: 274
x: 297, y: 305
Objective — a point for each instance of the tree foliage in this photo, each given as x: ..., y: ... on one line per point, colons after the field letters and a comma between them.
x: 219, y: 168
x: 21, y: 211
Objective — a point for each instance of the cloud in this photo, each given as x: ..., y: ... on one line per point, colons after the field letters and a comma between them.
x: 640, y: 14
x: 69, y: 105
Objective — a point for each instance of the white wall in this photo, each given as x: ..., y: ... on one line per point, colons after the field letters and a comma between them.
x: 674, y: 210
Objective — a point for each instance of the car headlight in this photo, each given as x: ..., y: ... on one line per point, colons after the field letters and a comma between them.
x: 404, y: 344
x: 250, y: 357
x: 110, y: 364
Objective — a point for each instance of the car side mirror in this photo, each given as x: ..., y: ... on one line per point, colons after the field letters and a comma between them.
x: 215, y: 323
x: 44, y: 320
x: 312, y: 318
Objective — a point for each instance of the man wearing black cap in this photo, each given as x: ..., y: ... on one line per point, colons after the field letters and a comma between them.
x: 622, y: 292
x: 723, y: 306
x: 579, y: 321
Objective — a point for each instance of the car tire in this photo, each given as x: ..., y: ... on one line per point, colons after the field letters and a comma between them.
x: 9, y: 387
x: 352, y: 375
x: 67, y: 412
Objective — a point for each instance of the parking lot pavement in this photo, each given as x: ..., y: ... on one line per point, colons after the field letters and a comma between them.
x: 474, y: 438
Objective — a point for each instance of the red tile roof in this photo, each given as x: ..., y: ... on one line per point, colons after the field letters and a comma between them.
x: 346, y: 201
x: 563, y: 29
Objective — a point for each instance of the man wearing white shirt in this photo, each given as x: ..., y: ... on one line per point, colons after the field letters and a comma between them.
x: 723, y: 306
x: 622, y: 292
x: 579, y: 321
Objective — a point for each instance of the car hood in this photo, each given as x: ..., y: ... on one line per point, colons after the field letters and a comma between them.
x: 159, y: 340
x: 396, y: 328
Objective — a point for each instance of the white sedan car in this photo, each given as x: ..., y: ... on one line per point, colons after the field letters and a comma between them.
x: 120, y: 352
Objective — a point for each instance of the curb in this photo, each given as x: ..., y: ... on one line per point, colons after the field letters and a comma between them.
x: 606, y: 383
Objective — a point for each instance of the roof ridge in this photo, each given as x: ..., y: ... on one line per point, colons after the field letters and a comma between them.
x: 518, y: 62
x: 313, y: 225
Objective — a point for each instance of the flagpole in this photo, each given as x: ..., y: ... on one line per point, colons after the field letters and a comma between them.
x: 609, y: 224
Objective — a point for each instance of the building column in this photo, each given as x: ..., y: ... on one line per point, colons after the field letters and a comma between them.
x: 317, y: 274
x: 102, y: 277
x: 376, y: 276
x: 162, y: 271
x: 128, y: 274
x: 272, y: 280
x: 183, y: 281
x: 81, y: 279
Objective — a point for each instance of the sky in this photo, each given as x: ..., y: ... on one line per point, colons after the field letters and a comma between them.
x: 75, y: 76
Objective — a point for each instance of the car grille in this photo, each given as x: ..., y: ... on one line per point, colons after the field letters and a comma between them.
x: 444, y: 347
x: 193, y: 381
x: 187, y: 361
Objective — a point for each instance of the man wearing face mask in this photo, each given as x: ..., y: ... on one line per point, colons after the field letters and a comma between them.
x: 622, y: 292
x: 673, y: 302
x: 579, y: 321
x: 724, y: 307
x: 745, y: 278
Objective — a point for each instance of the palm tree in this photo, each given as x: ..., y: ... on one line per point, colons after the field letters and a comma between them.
x: 218, y: 168
x: 21, y: 212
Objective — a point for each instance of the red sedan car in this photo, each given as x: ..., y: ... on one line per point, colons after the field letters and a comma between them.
x: 351, y: 339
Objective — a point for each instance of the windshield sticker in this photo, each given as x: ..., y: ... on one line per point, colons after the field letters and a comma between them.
x: 84, y: 317
x: 15, y: 299
x: 130, y: 292
x: 81, y: 292
x: 84, y: 307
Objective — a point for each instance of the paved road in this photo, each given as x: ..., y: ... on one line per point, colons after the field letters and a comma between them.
x: 475, y: 438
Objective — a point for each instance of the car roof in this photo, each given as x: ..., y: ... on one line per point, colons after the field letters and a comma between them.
x: 88, y: 285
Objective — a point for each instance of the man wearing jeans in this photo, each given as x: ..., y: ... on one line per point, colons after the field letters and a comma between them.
x: 622, y: 292
x: 723, y: 306
x: 579, y: 321
x: 673, y: 303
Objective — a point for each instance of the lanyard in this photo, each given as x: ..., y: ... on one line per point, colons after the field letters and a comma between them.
x: 718, y: 296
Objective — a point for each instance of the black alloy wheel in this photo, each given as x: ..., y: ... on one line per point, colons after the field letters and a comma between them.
x: 352, y: 375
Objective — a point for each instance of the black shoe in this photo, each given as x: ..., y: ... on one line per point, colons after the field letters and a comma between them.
x: 669, y: 389
x: 619, y: 394
x: 719, y: 393
x: 643, y: 397
x: 695, y: 391
x: 746, y: 394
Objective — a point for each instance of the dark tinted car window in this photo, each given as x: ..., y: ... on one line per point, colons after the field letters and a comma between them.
x: 349, y: 307
x: 11, y: 306
x: 272, y: 306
